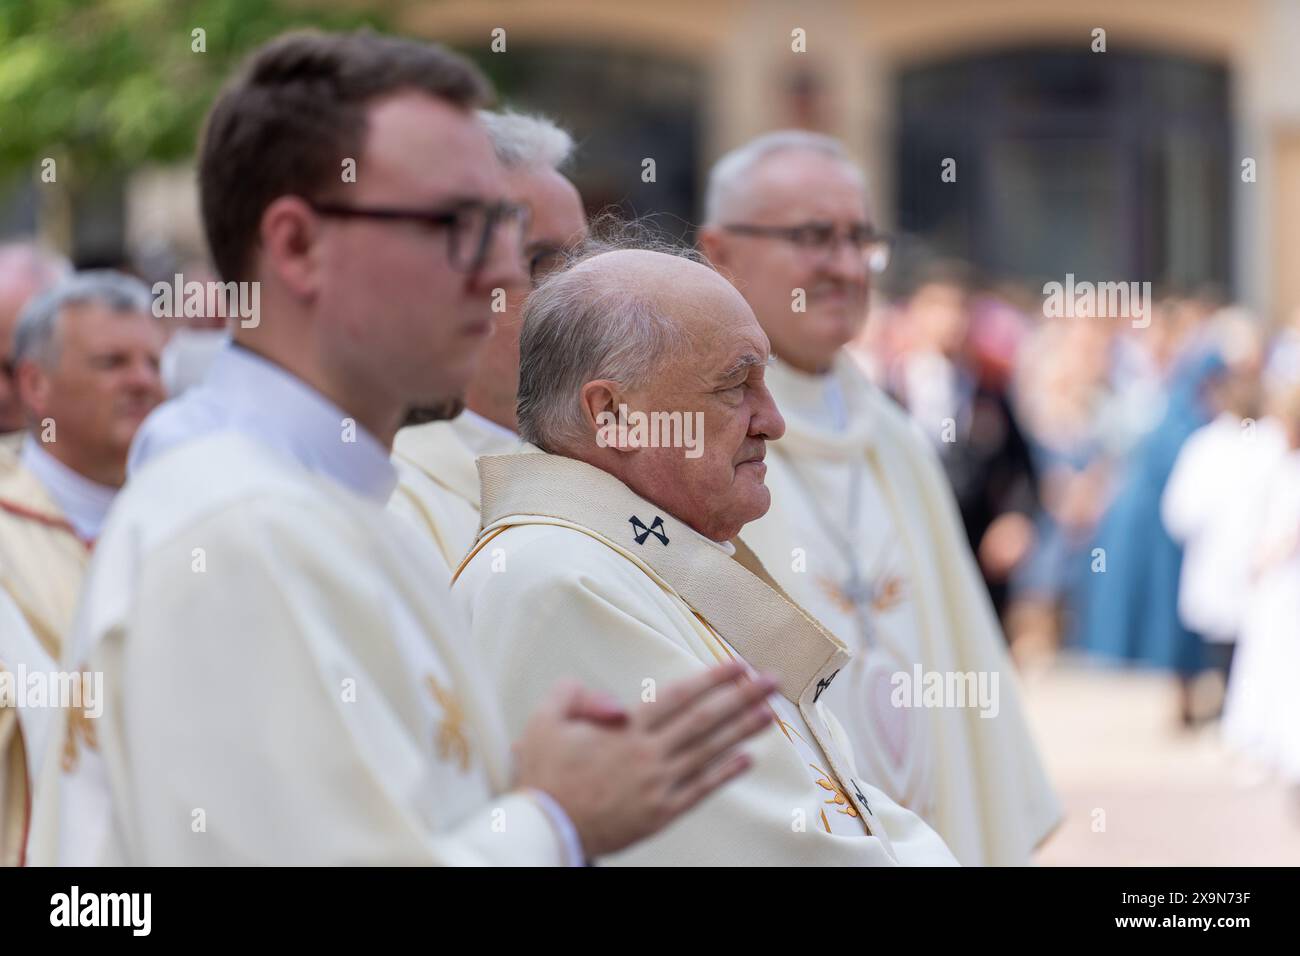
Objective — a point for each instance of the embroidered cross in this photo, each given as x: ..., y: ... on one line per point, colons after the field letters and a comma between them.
x: 822, y: 685
x: 640, y: 532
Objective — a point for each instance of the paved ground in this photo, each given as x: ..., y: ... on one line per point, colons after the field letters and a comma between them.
x: 1139, y: 791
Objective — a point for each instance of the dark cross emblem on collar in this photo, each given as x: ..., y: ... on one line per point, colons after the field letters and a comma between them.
x: 640, y: 532
x: 857, y: 792
x: 822, y: 685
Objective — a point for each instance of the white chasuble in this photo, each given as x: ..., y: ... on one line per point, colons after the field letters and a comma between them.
x: 863, y: 531
x: 575, y: 576
x: 285, y: 683
x: 42, y: 559
x: 22, y: 728
x: 437, y: 481
x: 42, y: 564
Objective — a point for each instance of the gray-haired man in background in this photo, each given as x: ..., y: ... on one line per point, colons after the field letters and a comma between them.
x: 863, y: 529
x: 85, y: 368
x: 438, y: 486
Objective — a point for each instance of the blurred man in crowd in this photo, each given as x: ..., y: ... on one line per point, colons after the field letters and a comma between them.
x: 612, y: 556
x: 1062, y: 388
x: 1130, y: 605
x: 863, y: 530
x: 25, y: 269
x: 961, y: 405
x: 438, y: 485
x: 251, y: 553
x: 85, y: 360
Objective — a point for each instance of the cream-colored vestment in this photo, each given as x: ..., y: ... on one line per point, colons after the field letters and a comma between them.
x: 42, y: 563
x: 437, y: 481
x: 575, y: 576
x: 864, y: 532
x: 285, y: 683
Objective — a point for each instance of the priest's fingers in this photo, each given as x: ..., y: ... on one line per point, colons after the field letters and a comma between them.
x: 563, y: 697
x: 714, y: 711
x: 705, y: 750
x: 596, y: 706
x: 686, y: 692
x: 713, y: 777
x: 569, y: 700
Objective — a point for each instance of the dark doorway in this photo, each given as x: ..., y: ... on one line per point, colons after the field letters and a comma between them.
x: 1111, y: 166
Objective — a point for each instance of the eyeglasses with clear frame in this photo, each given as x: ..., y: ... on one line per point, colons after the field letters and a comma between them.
x: 820, y: 240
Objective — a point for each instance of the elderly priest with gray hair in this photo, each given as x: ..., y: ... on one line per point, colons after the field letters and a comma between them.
x: 85, y: 369
x: 613, y: 557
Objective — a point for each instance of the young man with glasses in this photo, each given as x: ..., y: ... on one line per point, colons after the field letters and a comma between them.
x: 439, y: 485
x: 863, y: 529
x: 285, y: 679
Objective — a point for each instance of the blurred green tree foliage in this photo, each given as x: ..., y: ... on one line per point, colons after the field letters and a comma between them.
x: 104, y: 85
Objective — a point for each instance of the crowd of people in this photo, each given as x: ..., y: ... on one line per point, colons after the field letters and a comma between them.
x: 1128, y: 486
x: 377, y: 533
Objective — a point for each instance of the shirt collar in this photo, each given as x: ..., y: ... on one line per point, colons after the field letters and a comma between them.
x: 277, y: 408
x: 499, y: 435
x: 84, y: 503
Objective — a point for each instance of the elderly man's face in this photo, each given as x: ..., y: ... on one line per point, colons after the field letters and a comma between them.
x: 557, y: 224
x: 102, y: 383
x: 720, y: 375
x: 796, y: 188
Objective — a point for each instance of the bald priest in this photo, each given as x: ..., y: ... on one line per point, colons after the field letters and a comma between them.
x: 613, y: 557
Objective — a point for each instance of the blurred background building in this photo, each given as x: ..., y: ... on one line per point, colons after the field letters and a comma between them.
x: 1043, y: 129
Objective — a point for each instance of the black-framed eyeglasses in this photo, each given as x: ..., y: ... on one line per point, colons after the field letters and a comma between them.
x: 470, y: 225
x: 822, y: 239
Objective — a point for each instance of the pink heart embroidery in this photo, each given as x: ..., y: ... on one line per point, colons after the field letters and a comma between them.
x: 892, y: 723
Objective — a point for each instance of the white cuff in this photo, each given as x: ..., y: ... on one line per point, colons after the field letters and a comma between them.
x: 564, y: 827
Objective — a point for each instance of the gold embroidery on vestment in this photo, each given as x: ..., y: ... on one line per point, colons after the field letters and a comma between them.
x: 452, y: 741
x: 80, y: 725
x: 838, y: 797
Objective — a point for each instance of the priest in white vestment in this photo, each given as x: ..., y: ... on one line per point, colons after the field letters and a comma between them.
x: 86, y: 372
x: 864, y: 530
x: 437, y: 481
x: 614, y: 557
x: 286, y: 681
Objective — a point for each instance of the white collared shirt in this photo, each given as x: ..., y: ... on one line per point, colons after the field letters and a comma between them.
x: 84, y: 503
x: 246, y: 393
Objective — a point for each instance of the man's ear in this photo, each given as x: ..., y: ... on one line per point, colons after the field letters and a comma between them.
x: 600, y: 405
x: 32, y: 384
x: 713, y: 245
x: 290, y: 244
